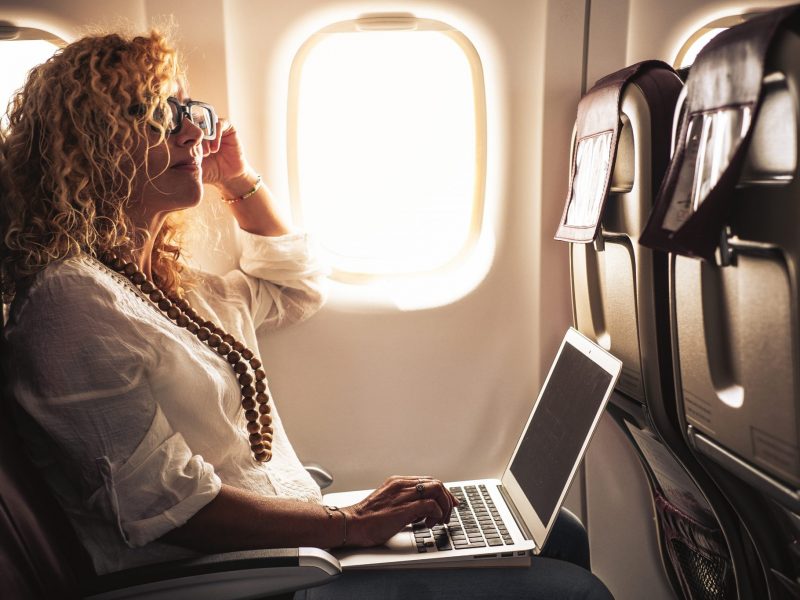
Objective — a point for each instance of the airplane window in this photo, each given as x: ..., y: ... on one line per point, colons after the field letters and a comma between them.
x: 691, y: 52
x: 25, y: 49
x: 387, y: 145
x: 697, y: 40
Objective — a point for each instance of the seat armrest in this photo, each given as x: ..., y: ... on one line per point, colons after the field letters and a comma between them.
x: 227, y: 576
x: 319, y: 474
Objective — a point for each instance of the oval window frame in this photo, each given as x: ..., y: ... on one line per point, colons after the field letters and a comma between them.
x: 396, y: 22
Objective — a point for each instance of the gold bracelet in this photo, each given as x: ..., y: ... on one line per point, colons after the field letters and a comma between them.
x: 332, y: 509
x: 246, y: 195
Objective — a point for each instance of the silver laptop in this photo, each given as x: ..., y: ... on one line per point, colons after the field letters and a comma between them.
x: 502, y: 522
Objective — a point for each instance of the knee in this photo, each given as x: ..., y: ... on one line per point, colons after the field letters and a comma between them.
x: 568, y: 540
x: 570, y: 527
x: 587, y: 586
x: 552, y: 578
x: 596, y: 589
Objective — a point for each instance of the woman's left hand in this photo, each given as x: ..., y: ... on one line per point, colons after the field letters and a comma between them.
x: 223, y: 157
x: 225, y: 167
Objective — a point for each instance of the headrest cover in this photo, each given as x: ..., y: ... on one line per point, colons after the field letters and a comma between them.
x: 723, y: 95
x: 597, y: 136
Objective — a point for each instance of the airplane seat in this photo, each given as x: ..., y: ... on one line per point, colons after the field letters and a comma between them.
x: 41, y: 556
x: 728, y: 213
x: 33, y: 566
x: 620, y: 300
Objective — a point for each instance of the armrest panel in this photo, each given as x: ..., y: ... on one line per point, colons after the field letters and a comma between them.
x: 319, y: 474
x: 232, y: 575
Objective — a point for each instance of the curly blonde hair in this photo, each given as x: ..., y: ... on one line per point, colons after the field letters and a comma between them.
x: 66, y: 157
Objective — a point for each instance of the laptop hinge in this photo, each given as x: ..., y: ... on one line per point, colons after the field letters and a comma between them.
x: 517, y: 517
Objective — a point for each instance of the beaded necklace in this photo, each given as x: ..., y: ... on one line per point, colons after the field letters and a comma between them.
x: 255, y: 399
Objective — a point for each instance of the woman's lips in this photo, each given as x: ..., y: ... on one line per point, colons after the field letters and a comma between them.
x: 187, y: 165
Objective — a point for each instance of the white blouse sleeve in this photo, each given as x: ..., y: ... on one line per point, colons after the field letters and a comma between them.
x: 81, y: 372
x: 285, y: 282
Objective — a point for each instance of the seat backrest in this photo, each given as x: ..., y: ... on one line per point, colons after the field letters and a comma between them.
x: 40, y: 556
x: 607, y: 305
x: 737, y: 328
x: 737, y: 323
x: 620, y: 294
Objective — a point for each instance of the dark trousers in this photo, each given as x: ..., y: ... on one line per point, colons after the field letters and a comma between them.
x: 561, y: 571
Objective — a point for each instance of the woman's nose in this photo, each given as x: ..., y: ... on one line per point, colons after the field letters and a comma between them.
x: 189, y: 134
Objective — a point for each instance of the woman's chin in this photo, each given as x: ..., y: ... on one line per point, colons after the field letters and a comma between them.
x: 193, y: 194
x: 195, y: 201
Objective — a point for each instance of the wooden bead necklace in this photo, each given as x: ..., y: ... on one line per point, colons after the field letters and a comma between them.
x: 255, y: 399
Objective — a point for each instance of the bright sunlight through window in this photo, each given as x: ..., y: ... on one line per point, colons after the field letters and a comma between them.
x: 692, y: 50
x: 387, y: 145
x: 17, y: 58
x: 699, y: 38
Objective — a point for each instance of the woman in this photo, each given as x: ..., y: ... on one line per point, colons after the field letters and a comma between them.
x: 141, y: 396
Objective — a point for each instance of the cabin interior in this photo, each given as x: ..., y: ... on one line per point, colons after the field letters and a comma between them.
x: 433, y: 167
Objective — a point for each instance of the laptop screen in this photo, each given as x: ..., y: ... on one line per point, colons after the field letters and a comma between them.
x: 563, y: 416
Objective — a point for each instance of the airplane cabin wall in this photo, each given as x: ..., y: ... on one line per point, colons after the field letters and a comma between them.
x: 368, y: 389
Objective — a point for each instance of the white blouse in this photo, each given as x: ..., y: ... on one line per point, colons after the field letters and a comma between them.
x: 133, y: 421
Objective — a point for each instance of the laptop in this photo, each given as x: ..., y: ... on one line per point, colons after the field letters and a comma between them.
x: 502, y: 522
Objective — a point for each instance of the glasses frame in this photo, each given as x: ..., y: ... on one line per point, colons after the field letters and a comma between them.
x: 184, y: 112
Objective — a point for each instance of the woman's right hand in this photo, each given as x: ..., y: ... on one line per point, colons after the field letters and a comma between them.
x: 395, y: 504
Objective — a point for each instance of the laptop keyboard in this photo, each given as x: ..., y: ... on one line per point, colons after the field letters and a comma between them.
x: 475, y: 523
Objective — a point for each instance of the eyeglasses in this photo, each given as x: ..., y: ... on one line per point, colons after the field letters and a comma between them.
x: 199, y: 113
